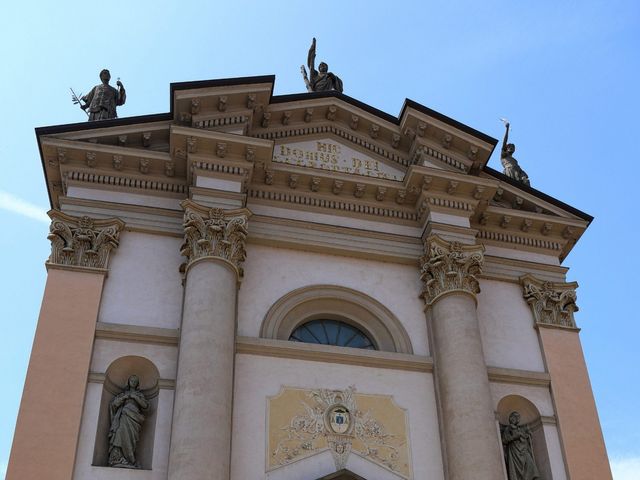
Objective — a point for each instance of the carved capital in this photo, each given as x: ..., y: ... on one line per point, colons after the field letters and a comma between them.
x: 450, y: 267
x: 552, y: 303
x: 82, y: 241
x: 214, y: 232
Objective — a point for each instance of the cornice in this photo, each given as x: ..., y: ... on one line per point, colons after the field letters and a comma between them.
x: 518, y: 377
x: 137, y: 334
x: 331, y: 354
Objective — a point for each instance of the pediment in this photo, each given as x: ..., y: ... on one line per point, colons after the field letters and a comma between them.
x: 333, y: 155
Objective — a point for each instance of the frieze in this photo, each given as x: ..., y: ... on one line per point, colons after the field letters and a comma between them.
x: 449, y: 267
x: 214, y: 232
x: 82, y: 241
x: 302, y: 423
x: 552, y: 303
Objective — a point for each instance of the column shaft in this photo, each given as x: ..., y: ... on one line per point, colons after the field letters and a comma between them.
x: 463, y: 387
x: 202, y: 413
x: 201, y: 435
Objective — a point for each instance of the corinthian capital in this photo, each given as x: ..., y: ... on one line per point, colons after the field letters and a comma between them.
x: 552, y: 303
x: 82, y: 241
x: 214, y: 232
x: 449, y: 267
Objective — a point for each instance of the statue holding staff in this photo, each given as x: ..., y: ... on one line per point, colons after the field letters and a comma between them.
x: 319, y: 80
x: 102, y: 100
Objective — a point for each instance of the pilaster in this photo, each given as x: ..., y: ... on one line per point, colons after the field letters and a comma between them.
x: 552, y: 306
x: 52, y: 401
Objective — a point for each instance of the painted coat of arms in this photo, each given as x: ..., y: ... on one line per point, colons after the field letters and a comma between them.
x: 306, y: 422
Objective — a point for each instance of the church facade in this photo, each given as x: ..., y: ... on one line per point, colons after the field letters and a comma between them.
x: 301, y: 287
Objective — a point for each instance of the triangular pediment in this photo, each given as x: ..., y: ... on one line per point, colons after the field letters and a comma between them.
x: 328, y: 153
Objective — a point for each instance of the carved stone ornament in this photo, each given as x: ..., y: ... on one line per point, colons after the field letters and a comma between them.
x: 552, y: 303
x: 332, y: 419
x: 82, y: 241
x: 214, y: 232
x: 449, y: 267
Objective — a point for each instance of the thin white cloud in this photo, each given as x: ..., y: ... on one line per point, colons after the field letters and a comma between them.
x: 3, y: 469
x: 625, y: 468
x: 14, y: 204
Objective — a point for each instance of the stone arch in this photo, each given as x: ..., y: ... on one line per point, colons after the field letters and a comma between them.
x: 115, y: 379
x: 336, y: 303
x: 529, y: 416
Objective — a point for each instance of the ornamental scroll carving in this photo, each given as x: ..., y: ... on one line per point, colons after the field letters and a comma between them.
x: 449, y: 266
x: 82, y: 241
x: 214, y: 232
x: 304, y: 422
x: 552, y: 303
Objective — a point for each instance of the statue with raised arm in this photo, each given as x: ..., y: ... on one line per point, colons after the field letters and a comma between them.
x: 103, y: 99
x: 510, y: 164
x: 319, y: 80
x: 518, y: 450
x: 125, y: 412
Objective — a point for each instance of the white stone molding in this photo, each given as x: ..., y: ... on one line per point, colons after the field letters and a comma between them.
x: 82, y: 241
x: 214, y: 232
x: 552, y: 303
x: 337, y: 303
x: 450, y: 267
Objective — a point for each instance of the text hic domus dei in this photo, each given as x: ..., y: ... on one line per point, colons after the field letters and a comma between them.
x: 302, y: 423
x: 330, y: 155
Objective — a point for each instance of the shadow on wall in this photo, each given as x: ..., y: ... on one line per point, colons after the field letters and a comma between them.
x: 115, y: 382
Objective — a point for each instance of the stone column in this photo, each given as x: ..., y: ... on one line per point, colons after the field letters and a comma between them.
x: 201, y: 429
x: 46, y: 435
x: 552, y: 305
x: 467, y: 416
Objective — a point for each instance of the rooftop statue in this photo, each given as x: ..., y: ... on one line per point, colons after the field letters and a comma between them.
x: 103, y: 99
x: 510, y: 164
x: 322, y: 79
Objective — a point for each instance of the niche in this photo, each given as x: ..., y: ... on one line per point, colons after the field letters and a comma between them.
x: 529, y: 417
x: 115, y: 381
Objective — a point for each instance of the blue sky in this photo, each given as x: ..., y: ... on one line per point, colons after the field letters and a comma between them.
x: 564, y: 73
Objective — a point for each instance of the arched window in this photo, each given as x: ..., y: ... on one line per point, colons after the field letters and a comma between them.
x: 332, y: 332
x: 331, y: 305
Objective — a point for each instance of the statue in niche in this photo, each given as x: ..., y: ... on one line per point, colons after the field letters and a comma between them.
x: 510, y: 164
x: 518, y: 450
x: 126, y: 416
x: 320, y: 80
x: 103, y: 99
